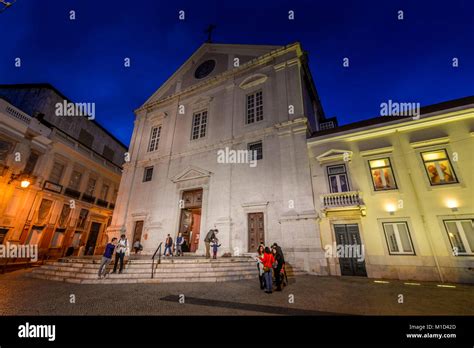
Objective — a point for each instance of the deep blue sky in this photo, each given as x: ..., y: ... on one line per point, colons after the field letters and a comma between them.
x: 407, y: 60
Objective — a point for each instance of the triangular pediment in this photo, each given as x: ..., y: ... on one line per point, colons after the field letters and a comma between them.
x: 223, y: 55
x: 191, y: 173
x: 334, y: 155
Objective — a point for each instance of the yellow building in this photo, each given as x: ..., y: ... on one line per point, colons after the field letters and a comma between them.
x: 402, y: 188
x: 59, y: 176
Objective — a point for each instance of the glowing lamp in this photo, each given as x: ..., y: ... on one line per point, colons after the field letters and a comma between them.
x: 390, y: 208
x: 25, y: 183
x: 452, y: 204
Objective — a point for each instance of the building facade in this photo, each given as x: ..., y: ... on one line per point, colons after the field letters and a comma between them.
x: 222, y: 144
x: 72, y: 165
x: 403, y: 189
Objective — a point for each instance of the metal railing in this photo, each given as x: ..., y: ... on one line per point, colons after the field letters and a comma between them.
x: 158, y: 250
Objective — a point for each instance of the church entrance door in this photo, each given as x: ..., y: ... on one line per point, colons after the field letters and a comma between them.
x: 190, y: 220
x: 256, y: 231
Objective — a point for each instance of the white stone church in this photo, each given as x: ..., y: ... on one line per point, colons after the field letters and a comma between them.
x: 186, y: 171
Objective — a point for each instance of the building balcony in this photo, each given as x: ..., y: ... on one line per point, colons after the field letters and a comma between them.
x: 102, y: 203
x: 72, y: 193
x: 341, y: 201
x: 88, y: 198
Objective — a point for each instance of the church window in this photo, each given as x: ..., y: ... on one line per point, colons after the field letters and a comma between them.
x: 148, y: 174
x: 254, y: 107
x: 255, y: 151
x: 154, y: 138
x: 199, y: 125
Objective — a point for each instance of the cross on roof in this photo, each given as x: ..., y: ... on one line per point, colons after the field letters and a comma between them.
x: 208, y: 31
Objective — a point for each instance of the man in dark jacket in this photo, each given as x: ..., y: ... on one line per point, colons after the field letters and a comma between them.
x: 209, y: 237
x: 280, y: 261
x: 107, y: 257
x: 168, y: 245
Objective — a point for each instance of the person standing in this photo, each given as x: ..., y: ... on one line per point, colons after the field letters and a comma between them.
x: 209, y: 237
x: 137, y: 246
x: 215, y: 246
x: 121, y: 249
x: 268, y: 261
x: 277, y: 266
x: 107, y: 257
x: 168, y: 245
x: 179, y: 244
x: 260, y: 253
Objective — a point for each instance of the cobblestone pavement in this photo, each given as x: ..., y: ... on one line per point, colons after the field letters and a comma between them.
x: 21, y: 295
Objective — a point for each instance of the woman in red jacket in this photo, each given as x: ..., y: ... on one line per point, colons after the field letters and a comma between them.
x: 268, y: 261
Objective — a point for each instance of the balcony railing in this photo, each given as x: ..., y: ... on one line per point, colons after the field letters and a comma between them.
x: 341, y: 200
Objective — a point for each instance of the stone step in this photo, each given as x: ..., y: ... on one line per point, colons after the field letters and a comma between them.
x: 163, y: 261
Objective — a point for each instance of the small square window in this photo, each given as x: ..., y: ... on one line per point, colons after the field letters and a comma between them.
x: 382, y: 174
x: 438, y: 167
x: 148, y: 174
x: 255, y: 151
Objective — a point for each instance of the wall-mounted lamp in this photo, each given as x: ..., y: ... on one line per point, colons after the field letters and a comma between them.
x: 24, y: 179
x: 390, y: 208
x: 452, y: 204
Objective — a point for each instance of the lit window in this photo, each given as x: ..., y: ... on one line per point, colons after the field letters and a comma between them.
x: 337, y: 177
x: 254, y: 107
x: 255, y: 151
x: 382, y: 174
x: 199, y: 125
x: 148, y: 174
x: 438, y: 167
x: 154, y: 138
x: 398, y: 238
x: 461, y: 236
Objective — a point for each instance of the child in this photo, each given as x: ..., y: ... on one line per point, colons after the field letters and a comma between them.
x: 214, y: 248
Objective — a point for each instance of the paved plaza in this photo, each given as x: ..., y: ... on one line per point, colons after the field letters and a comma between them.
x: 312, y: 295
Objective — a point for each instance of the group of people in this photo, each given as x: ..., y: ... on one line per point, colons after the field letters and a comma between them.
x: 120, y: 248
x: 271, y: 264
x: 177, y: 247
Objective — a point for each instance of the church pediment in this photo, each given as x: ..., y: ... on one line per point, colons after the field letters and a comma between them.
x: 334, y: 155
x: 191, y: 173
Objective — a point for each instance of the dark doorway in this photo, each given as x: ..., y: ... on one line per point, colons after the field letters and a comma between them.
x: 348, y: 237
x: 256, y: 231
x: 92, y: 239
x: 137, y: 232
x: 190, y: 220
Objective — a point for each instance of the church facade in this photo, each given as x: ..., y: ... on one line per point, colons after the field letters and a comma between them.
x: 222, y: 144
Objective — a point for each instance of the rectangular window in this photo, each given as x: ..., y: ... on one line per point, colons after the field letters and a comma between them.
x: 382, y: 174
x: 91, y: 186
x: 31, y: 163
x: 337, y: 177
x: 438, y: 167
x: 154, y: 138
x: 398, y: 238
x: 63, y: 218
x: 104, y: 192
x: 199, y: 125
x: 5, y: 148
x: 56, y: 173
x: 148, y: 174
x: 255, y: 151
x: 58, y: 238
x: 76, y: 239
x: 75, y: 180
x: 254, y: 107
x: 86, y: 138
x: 81, y: 220
x: 108, y: 153
x: 461, y: 236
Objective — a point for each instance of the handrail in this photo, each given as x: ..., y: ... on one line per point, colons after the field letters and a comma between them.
x: 158, y: 250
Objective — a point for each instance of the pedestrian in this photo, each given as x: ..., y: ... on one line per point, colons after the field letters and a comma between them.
x: 179, y: 244
x: 107, y: 257
x: 260, y: 252
x: 121, y: 249
x: 168, y: 245
x: 214, y: 247
x: 277, y: 266
x: 137, y: 246
x: 268, y: 261
x: 209, y: 237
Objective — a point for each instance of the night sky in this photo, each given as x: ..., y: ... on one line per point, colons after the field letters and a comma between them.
x: 407, y: 61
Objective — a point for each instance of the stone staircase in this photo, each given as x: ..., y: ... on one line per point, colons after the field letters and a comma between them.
x: 138, y: 270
